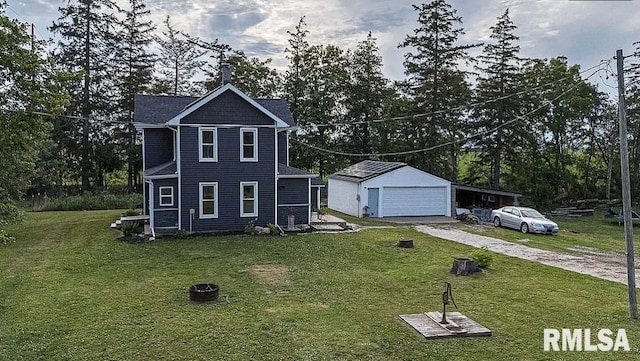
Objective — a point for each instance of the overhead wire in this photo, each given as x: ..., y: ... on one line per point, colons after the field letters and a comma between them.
x: 472, y: 105
x: 449, y: 143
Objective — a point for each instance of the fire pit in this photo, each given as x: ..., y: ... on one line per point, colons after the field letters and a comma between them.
x: 203, y: 292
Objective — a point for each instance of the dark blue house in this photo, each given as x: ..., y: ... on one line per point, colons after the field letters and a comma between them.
x: 216, y: 162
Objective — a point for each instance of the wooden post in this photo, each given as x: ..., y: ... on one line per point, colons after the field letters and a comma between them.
x: 626, y: 190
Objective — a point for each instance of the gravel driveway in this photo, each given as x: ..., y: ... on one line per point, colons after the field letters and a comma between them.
x: 597, y: 264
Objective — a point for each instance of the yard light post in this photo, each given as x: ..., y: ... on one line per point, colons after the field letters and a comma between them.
x: 626, y: 190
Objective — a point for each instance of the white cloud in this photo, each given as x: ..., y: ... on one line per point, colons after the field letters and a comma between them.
x: 584, y: 31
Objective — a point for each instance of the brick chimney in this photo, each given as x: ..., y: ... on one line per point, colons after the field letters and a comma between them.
x: 227, y: 72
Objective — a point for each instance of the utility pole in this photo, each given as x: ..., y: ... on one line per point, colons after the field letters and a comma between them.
x: 626, y: 190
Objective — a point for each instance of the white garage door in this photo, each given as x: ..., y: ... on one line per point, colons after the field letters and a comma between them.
x: 414, y: 201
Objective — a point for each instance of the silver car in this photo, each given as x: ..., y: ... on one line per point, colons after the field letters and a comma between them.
x: 525, y: 219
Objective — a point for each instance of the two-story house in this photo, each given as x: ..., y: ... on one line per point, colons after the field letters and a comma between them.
x: 216, y: 162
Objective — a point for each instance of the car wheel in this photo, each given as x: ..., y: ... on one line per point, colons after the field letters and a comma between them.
x: 524, y: 228
x: 496, y: 222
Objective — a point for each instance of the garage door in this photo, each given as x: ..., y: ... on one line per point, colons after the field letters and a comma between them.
x: 414, y: 201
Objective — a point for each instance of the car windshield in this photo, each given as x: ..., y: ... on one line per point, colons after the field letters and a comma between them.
x: 531, y: 213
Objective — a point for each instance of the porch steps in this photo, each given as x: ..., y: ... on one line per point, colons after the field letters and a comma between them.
x: 327, y: 223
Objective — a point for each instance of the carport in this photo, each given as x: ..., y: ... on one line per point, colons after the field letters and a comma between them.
x: 476, y: 197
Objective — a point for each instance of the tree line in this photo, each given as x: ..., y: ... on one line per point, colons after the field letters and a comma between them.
x: 498, y: 120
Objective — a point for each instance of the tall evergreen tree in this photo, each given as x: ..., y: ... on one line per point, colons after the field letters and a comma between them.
x: 180, y: 59
x: 136, y: 67
x: 293, y: 78
x: 87, y: 45
x: 365, y: 101
x: 500, y: 80
x: 436, y: 83
x: 325, y: 80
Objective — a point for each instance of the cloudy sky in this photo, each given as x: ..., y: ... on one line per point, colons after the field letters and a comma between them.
x: 585, y: 31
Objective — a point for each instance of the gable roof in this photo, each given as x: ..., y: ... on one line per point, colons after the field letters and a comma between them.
x: 214, y: 94
x: 159, y: 109
x: 365, y: 170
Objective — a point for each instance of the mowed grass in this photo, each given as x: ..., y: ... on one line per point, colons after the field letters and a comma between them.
x: 69, y: 290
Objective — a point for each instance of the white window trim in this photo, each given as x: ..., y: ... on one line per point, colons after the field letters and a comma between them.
x: 216, y: 200
x: 255, y: 199
x: 215, y: 144
x: 161, y: 197
x: 255, y: 144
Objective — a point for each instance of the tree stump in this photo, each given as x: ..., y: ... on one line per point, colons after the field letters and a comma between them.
x: 405, y: 243
x: 463, y: 267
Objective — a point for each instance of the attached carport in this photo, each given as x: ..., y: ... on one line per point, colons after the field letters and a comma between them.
x: 470, y: 197
x: 388, y: 189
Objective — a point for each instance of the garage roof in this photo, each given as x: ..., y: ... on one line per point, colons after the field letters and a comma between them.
x: 365, y: 170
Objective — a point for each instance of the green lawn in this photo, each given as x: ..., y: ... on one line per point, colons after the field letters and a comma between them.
x: 69, y: 290
x: 589, y: 231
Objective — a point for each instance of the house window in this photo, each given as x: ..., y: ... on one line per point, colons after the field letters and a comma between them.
x: 248, y: 199
x: 248, y: 145
x: 208, y: 144
x: 166, y: 196
x: 208, y: 200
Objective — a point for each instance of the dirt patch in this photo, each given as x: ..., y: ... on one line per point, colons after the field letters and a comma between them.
x: 271, y: 274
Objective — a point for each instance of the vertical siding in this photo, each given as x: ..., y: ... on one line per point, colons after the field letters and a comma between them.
x: 301, y: 214
x: 293, y: 191
x: 158, y: 146
x: 165, y: 216
x: 228, y: 172
x: 342, y: 196
x: 282, y: 148
x: 170, y: 182
x: 315, y: 202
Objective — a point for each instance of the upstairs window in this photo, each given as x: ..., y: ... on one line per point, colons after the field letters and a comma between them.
x: 248, y: 144
x: 248, y: 199
x: 166, y: 196
x: 208, y: 144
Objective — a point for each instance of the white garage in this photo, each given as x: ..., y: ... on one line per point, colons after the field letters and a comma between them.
x: 388, y: 189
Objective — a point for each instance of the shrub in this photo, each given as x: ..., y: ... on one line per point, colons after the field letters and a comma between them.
x: 482, y: 257
x: 9, y: 213
x: 272, y: 228
x: 91, y: 202
x: 182, y: 233
x: 129, y: 228
x: 250, y: 228
x: 5, y: 238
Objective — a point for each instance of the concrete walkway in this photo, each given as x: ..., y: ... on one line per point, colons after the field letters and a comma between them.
x: 595, y: 264
x: 420, y: 220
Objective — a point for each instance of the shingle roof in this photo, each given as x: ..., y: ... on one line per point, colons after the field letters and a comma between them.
x: 168, y: 168
x: 279, y: 108
x: 365, y: 170
x: 285, y: 170
x: 158, y: 109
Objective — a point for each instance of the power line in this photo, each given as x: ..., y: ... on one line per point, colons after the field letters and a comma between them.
x: 75, y: 117
x: 476, y: 135
x: 472, y: 105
